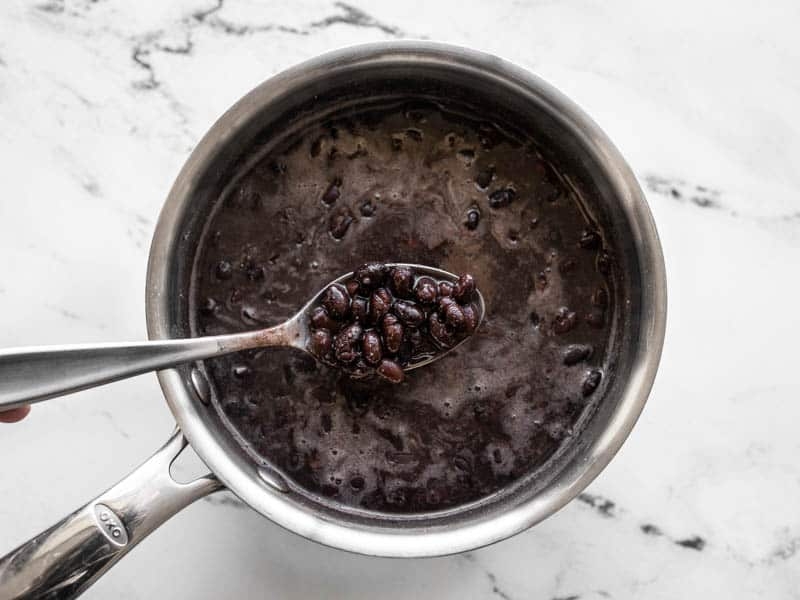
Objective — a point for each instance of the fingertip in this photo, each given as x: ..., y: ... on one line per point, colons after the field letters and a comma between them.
x: 15, y: 414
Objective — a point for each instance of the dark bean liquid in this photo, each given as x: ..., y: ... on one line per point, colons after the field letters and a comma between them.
x: 414, y: 185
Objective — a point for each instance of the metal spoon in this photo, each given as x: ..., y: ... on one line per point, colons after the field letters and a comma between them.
x: 34, y: 374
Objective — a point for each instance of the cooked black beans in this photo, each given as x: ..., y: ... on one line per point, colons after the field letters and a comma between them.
x: 590, y: 239
x: 224, y: 270
x: 439, y: 331
x: 591, y: 382
x: 359, y: 308
x: 384, y: 318
x: 339, y: 224
x: 409, y: 313
x: 370, y: 275
x: 502, y: 197
x: 333, y: 192
x: 426, y: 290
x: 576, y: 353
x: 391, y: 371
x: 464, y: 288
x: 473, y: 219
x: 402, y: 281
x: 392, y: 333
x: 321, y: 342
x: 336, y: 301
x: 345, y: 344
x: 371, y: 345
x: 454, y: 316
x: 379, y: 304
x: 320, y: 319
x: 352, y: 287
x: 565, y: 321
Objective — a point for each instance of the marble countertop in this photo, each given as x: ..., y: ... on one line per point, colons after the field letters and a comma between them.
x: 101, y: 102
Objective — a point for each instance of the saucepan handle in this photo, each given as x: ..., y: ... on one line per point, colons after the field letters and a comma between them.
x: 64, y: 560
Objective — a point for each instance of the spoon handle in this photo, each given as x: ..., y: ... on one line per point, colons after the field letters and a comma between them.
x: 34, y: 374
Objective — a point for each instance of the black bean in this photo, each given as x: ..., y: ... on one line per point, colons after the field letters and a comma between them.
x: 352, y: 286
x: 379, y: 304
x: 484, y: 178
x: 502, y: 197
x: 425, y: 290
x: 445, y: 289
x: 345, y: 343
x: 565, y: 321
x: 473, y: 219
x: 357, y: 483
x: 367, y: 209
x: 470, y: 318
x: 454, y: 316
x: 402, y: 281
x: 255, y: 273
x: 339, y: 224
x: 414, y: 337
x: 390, y: 371
x: 393, y: 338
x: 209, y: 307
x: 409, y: 313
x: 371, y: 347
x: 576, y: 353
x: 444, y: 304
x: 359, y: 308
x: 370, y: 275
x: 392, y: 333
x: 321, y: 342
x: 224, y: 270
x: 414, y: 134
x: 336, y: 300
x: 320, y: 319
x: 463, y: 288
x: 333, y: 192
x: 439, y: 331
x: 590, y: 239
x: 590, y: 382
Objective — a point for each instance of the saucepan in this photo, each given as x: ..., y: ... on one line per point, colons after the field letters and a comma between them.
x: 67, y: 558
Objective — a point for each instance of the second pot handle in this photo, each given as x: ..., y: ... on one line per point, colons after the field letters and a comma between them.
x: 64, y: 560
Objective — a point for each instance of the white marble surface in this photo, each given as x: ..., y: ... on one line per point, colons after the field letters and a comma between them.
x: 101, y: 102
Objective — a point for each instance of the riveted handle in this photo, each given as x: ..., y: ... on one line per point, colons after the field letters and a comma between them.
x: 64, y: 560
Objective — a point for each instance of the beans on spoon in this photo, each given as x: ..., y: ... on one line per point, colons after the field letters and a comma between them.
x: 387, y: 317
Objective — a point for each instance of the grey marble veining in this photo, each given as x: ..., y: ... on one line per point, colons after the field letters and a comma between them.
x: 102, y: 100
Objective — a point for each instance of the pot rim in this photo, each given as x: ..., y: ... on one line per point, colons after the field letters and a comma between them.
x: 482, y: 529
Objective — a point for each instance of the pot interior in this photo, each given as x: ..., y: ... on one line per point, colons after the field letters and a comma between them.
x: 354, y: 83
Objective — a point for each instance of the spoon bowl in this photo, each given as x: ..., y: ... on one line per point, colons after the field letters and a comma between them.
x: 303, y: 331
x: 30, y: 375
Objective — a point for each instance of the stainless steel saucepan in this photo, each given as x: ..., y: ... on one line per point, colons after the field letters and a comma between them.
x: 67, y: 558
